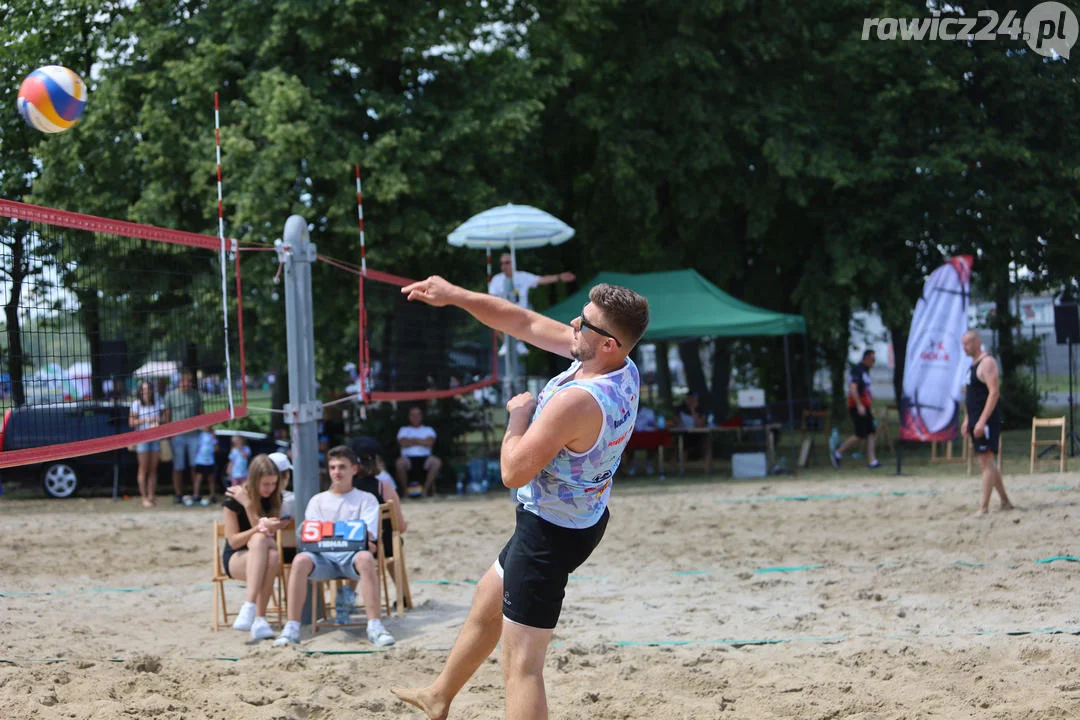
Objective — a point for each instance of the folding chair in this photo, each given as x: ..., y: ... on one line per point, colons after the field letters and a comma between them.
x: 221, y: 615
x: 812, y: 422
x: 397, y: 563
x: 1058, y: 422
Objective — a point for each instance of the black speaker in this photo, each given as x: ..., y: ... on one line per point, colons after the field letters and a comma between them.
x: 114, y: 358
x: 1067, y: 323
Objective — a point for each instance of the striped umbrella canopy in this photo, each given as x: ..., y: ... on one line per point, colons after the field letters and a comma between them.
x: 512, y: 226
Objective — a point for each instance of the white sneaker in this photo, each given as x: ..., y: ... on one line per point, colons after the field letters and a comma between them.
x: 378, y: 635
x: 502, y: 351
x: 245, y: 617
x: 522, y: 349
x: 261, y: 630
x: 290, y: 635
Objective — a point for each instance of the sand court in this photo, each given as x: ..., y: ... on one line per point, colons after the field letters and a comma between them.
x: 861, y: 596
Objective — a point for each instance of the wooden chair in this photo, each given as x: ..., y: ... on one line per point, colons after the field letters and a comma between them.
x: 324, y: 591
x: 396, y: 565
x: 812, y: 422
x: 948, y: 457
x: 1058, y: 422
x: 969, y: 452
x: 221, y: 615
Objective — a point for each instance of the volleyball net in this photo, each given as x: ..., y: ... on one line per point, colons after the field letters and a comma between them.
x: 410, y: 351
x: 103, y: 316
x: 101, y: 313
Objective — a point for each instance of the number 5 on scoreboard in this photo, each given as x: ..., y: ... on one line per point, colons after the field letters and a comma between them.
x: 311, y: 531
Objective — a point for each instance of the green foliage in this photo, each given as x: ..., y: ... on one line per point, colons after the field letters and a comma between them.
x: 1019, y: 401
x: 790, y: 162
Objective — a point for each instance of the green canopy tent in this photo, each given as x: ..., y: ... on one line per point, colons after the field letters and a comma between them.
x: 683, y: 305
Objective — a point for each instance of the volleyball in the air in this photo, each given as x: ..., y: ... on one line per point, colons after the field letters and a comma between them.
x: 52, y: 98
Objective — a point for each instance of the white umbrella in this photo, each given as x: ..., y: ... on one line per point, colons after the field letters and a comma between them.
x: 512, y: 226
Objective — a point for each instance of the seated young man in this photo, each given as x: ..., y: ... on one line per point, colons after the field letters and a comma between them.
x: 341, y: 502
x: 416, y: 440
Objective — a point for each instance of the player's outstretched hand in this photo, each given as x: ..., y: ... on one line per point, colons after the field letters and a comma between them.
x: 434, y: 291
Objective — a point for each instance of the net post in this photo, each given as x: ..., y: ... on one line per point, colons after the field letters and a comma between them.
x: 303, y: 411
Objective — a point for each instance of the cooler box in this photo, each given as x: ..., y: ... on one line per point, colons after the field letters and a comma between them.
x: 749, y: 465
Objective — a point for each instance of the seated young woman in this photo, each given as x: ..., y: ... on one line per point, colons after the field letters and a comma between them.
x: 252, y: 517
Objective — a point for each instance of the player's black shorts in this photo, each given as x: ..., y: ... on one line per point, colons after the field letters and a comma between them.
x: 989, y: 441
x: 864, y: 424
x: 537, y: 562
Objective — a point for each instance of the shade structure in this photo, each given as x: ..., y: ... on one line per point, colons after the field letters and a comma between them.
x: 511, y: 226
x: 684, y: 305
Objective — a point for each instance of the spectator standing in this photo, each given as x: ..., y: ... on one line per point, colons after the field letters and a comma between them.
x: 146, y: 413
x: 181, y: 404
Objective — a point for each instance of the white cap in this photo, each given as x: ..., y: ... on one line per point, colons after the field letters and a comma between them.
x: 281, y: 460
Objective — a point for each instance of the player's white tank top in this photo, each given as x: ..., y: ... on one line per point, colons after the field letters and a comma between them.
x: 572, y: 490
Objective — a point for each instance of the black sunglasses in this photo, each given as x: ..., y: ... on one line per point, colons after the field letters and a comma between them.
x: 599, y: 331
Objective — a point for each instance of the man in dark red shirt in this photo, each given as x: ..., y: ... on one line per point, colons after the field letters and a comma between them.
x: 859, y: 403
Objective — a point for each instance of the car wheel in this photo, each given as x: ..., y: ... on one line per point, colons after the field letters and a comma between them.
x: 60, y: 480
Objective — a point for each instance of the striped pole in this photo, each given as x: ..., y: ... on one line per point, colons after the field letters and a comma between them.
x: 361, y: 317
x: 360, y: 217
x: 221, y: 237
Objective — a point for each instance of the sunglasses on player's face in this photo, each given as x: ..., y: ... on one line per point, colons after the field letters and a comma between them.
x: 586, y: 325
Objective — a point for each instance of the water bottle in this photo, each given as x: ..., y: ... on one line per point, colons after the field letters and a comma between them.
x: 660, y: 422
x: 711, y: 419
x: 834, y: 440
x: 460, y: 485
x: 343, y: 603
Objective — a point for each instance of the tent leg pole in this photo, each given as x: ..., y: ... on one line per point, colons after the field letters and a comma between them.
x: 809, y: 369
x: 787, y: 373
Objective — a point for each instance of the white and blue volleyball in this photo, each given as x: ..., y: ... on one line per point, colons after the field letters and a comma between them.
x: 52, y: 98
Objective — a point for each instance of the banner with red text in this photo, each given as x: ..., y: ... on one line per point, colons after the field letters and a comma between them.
x: 935, y: 362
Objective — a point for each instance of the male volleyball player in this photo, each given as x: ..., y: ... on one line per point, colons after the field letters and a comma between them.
x: 982, y: 417
x: 562, y: 450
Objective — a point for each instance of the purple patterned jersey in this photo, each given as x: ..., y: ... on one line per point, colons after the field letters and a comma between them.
x: 573, y: 489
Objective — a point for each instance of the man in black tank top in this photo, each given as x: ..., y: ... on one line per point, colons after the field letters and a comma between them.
x: 982, y: 418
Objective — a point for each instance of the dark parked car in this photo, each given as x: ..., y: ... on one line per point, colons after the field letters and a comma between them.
x: 43, y: 425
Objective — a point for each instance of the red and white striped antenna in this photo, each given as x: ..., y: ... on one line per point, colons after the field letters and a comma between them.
x: 360, y: 217
x: 221, y: 238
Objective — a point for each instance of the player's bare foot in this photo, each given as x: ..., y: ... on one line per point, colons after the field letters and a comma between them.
x: 424, y: 699
x: 981, y: 511
x: 1007, y: 506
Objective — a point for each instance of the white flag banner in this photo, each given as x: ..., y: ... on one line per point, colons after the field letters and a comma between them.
x: 936, y: 364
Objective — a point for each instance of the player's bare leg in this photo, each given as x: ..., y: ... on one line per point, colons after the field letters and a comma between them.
x: 991, y: 479
x: 523, y: 653
x: 475, y: 642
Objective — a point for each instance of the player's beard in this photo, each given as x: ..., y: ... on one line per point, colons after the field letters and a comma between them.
x: 582, y: 352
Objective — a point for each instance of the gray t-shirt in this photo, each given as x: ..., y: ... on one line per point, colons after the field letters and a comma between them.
x: 183, y: 404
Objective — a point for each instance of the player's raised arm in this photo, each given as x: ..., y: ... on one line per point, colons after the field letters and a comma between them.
x: 532, y: 327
